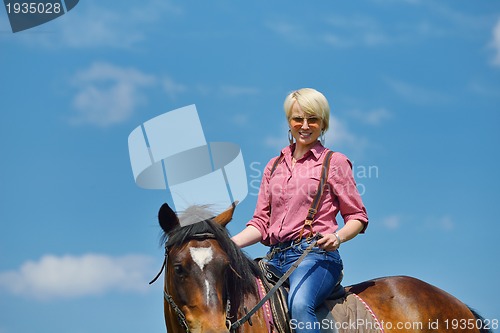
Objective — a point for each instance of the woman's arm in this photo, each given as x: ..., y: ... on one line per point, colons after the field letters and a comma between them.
x: 248, y: 236
x: 351, y: 206
x: 330, y: 242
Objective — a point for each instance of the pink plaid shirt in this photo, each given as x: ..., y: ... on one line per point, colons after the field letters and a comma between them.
x: 285, y: 197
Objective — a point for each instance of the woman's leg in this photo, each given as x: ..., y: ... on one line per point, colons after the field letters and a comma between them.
x: 310, y: 284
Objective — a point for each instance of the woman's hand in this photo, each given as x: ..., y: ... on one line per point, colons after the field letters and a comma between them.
x: 329, y: 242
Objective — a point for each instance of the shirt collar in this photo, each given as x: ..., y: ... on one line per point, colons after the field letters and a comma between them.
x: 316, y: 150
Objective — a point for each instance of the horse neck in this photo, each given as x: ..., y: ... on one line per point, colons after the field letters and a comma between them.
x: 260, y: 322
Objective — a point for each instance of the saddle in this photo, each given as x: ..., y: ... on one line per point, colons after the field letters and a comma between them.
x: 279, y: 301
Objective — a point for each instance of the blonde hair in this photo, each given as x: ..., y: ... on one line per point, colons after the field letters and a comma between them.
x: 312, y: 102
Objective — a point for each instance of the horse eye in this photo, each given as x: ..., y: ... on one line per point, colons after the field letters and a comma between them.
x: 178, y: 269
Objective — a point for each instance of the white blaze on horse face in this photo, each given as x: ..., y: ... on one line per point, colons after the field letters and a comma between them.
x: 207, y: 287
x: 201, y: 255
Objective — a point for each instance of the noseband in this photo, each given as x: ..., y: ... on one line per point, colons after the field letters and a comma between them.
x: 181, y: 317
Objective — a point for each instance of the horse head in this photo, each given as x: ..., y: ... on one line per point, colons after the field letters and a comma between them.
x: 207, y: 275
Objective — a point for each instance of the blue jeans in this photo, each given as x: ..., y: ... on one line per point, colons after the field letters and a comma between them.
x: 310, y: 284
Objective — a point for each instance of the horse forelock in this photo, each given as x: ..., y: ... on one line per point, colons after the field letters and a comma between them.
x: 195, y: 213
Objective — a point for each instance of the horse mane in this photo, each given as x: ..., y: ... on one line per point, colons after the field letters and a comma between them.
x: 240, y: 279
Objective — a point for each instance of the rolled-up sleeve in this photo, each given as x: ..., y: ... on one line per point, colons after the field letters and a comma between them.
x: 262, y: 213
x: 342, y: 181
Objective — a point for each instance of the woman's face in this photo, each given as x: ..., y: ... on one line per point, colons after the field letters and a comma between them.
x: 305, y: 129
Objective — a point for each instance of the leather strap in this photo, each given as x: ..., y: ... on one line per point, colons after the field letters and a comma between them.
x: 315, y: 203
x: 275, y: 164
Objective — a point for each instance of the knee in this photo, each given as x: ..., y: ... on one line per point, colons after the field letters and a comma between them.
x: 301, y: 306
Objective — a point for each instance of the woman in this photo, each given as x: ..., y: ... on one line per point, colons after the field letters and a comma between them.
x: 288, y: 187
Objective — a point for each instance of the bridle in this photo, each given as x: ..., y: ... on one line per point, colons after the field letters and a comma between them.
x: 181, y: 317
x: 231, y: 326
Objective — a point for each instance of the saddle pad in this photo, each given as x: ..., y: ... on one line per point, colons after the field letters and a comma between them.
x: 278, y: 301
x: 350, y: 315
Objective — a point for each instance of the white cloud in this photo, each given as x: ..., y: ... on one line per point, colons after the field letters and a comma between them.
x: 92, y: 25
x: 237, y: 91
x: 277, y: 142
x: 495, y: 43
x: 173, y: 88
x: 444, y: 223
x: 241, y: 119
x: 463, y: 21
x: 341, y: 137
x: 108, y: 94
x: 392, y: 2
x: 392, y: 222
x: 484, y: 89
x: 417, y: 94
x: 372, y: 117
x: 336, y: 31
x: 336, y: 41
x: 226, y: 90
x: 75, y: 276
x: 291, y: 32
x: 450, y: 20
x: 355, y: 31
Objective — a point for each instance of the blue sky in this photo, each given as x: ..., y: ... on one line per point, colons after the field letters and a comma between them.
x: 414, y: 87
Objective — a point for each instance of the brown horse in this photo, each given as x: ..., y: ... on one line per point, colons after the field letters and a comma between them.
x: 210, y: 283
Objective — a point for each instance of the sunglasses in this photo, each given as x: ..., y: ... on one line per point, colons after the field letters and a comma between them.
x: 300, y: 120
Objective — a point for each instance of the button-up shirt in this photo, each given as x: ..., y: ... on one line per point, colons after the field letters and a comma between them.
x: 285, y: 196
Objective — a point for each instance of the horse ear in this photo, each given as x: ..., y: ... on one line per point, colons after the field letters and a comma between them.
x: 167, y: 218
x: 226, y: 216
